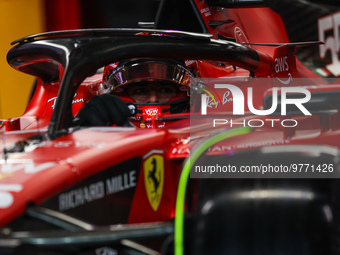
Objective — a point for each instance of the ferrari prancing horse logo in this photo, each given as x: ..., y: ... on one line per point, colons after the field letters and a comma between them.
x: 154, y: 179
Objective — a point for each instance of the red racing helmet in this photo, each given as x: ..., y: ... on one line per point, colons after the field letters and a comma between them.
x: 153, y: 87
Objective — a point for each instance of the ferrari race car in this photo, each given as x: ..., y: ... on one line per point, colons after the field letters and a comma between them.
x: 251, y: 168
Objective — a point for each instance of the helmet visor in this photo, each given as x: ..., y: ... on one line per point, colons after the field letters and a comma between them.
x: 150, y: 71
x: 152, y: 92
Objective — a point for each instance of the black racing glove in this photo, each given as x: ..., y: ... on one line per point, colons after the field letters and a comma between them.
x: 103, y: 110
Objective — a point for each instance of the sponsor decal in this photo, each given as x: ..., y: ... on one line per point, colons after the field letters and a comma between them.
x: 240, y: 35
x: 97, y: 190
x: 150, y: 112
x: 206, y: 12
x: 114, y: 65
x: 239, y: 100
x: 284, y: 58
x: 53, y: 99
x: 121, y: 182
x: 286, y: 82
x: 227, y: 97
x: 108, y: 189
x: 328, y: 27
x: 282, y: 68
x: 181, y: 151
x: 77, y: 197
x: 77, y: 144
x: 7, y: 170
x: 6, y: 197
x: 28, y: 168
x: 281, y: 65
x: 189, y: 62
x: 154, y: 179
x: 148, y: 125
x: 78, y: 100
x: 227, y: 148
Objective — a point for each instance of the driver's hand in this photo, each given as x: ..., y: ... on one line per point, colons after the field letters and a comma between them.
x: 103, y: 110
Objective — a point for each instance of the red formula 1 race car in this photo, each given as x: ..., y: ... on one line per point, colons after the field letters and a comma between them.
x: 239, y: 153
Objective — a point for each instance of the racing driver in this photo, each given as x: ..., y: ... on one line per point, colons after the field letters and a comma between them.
x: 141, y: 90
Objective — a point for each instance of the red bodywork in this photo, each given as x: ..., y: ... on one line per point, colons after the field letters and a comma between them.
x: 43, y: 174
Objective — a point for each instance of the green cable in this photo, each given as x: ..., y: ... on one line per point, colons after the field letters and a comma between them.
x: 211, y: 95
x: 179, y: 216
